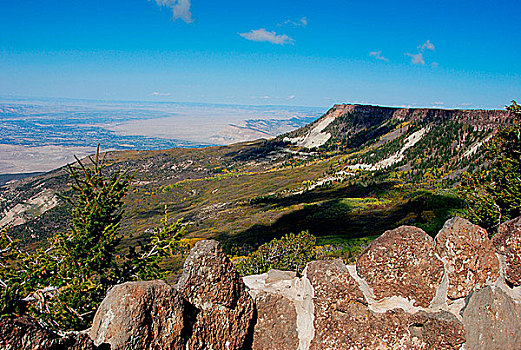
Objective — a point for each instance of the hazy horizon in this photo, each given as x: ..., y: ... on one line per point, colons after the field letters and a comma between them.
x: 448, y: 54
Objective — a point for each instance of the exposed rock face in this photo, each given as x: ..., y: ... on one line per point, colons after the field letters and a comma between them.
x: 507, y: 242
x: 223, y: 308
x: 394, y: 298
x: 26, y: 334
x: 491, y: 321
x: 470, y: 257
x: 140, y: 315
x: 483, y: 118
x: 402, y: 262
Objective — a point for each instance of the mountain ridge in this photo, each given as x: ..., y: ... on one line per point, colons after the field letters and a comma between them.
x: 260, y: 189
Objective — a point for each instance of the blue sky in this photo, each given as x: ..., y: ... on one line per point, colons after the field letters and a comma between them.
x: 442, y: 53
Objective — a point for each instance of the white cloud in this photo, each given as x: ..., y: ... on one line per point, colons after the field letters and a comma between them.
x: 157, y: 93
x: 301, y: 22
x: 426, y: 46
x: 262, y: 35
x: 378, y: 56
x: 292, y: 97
x: 180, y: 9
x: 416, y: 58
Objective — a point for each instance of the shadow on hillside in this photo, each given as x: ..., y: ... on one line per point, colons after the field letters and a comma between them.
x: 324, y: 193
x: 336, y: 218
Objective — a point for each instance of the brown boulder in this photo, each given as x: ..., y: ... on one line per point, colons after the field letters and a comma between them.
x: 223, y: 309
x: 402, y: 262
x: 276, y: 327
x: 25, y: 333
x: 469, y: 254
x: 140, y: 315
x: 343, y: 319
x: 336, y: 295
x: 507, y: 242
x: 491, y: 321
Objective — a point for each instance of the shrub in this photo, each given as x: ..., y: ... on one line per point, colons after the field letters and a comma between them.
x: 291, y: 252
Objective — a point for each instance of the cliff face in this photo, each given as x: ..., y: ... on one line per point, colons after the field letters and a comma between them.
x: 483, y: 118
x: 413, y: 141
x: 344, y: 121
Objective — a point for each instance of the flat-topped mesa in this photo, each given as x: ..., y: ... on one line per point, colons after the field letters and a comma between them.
x: 489, y: 119
x: 354, y: 124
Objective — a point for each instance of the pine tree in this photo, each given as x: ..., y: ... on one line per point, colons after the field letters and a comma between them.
x: 493, y: 193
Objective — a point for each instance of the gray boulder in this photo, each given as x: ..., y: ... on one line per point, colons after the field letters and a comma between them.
x: 492, y: 321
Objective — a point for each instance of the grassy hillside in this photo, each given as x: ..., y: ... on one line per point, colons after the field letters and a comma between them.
x: 379, y: 168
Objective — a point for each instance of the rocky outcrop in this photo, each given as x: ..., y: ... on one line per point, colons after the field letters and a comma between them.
x: 25, y: 333
x: 469, y: 256
x: 507, y: 243
x: 347, y: 313
x: 404, y: 292
x: 488, y: 119
x: 294, y: 314
x: 140, y: 315
x: 341, y: 316
x: 402, y: 262
x: 221, y: 308
x: 337, y: 300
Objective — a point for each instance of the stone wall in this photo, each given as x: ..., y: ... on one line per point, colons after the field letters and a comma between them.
x: 406, y: 291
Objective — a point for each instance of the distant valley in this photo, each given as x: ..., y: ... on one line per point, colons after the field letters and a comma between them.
x: 41, y: 135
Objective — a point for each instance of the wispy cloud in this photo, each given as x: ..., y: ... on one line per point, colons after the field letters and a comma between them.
x: 180, y: 9
x: 301, y: 22
x: 157, y: 93
x: 426, y: 46
x: 292, y: 97
x: 378, y: 56
x: 416, y: 58
x: 262, y: 35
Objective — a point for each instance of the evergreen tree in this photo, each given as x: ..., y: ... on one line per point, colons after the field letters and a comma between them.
x: 493, y: 193
x: 63, y: 285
